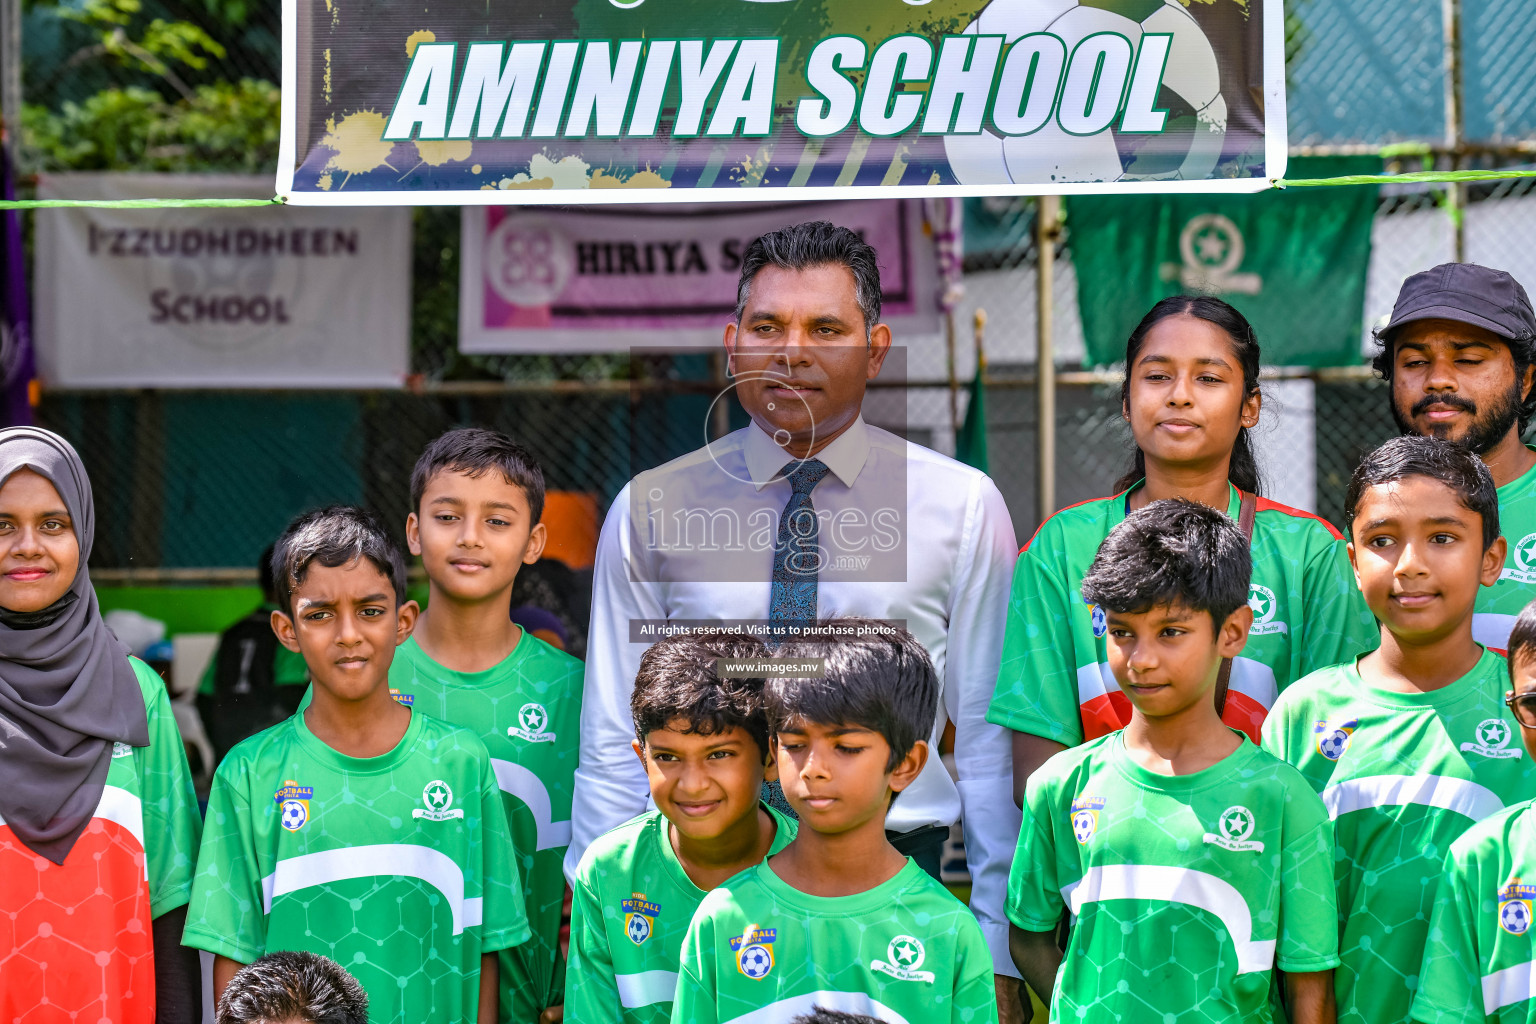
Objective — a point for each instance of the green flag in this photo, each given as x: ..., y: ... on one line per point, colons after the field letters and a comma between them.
x: 971, y: 442
x: 1293, y: 262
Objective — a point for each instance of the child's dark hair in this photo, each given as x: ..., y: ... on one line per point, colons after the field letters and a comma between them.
x: 1445, y: 461
x: 474, y: 451
x: 678, y: 680
x: 822, y: 1015
x: 292, y: 986
x: 1173, y: 552
x: 878, y: 677
x: 1243, y: 470
x: 1522, y: 639
x: 333, y: 536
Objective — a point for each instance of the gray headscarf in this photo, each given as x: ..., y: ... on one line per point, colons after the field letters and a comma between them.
x: 67, y: 689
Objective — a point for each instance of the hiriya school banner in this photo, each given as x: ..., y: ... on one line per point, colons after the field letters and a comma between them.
x: 1294, y: 264
x: 594, y: 279
x: 222, y: 298
x: 461, y: 101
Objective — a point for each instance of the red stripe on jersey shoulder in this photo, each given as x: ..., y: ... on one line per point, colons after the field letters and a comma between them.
x: 1266, y: 505
x: 1053, y: 515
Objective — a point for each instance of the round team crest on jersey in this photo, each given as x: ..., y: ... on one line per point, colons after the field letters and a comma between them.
x: 1521, y: 566
x: 532, y: 724
x: 1515, y: 906
x: 438, y: 797
x: 1085, y: 817
x: 754, y: 951
x: 1491, y: 739
x: 1100, y: 620
x: 1333, y: 737
x: 1233, y: 830
x: 904, y: 957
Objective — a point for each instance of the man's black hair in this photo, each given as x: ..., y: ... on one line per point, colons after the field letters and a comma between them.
x: 678, y: 680
x: 474, y: 451
x: 1172, y: 552
x: 815, y: 243
x: 1522, y: 353
x: 1522, y: 639
x: 333, y: 536
x: 822, y: 1015
x: 878, y: 677
x: 1449, y: 463
x: 292, y: 986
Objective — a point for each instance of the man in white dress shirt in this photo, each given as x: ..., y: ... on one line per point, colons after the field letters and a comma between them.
x: 810, y: 512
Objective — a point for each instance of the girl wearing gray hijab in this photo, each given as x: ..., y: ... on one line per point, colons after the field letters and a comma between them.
x: 98, y: 819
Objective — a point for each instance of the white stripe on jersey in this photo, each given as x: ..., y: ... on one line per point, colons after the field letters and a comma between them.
x: 1250, y: 677
x: 120, y: 806
x: 1177, y: 885
x: 527, y: 787
x: 1492, y: 630
x: 1511, y: 985
x: 434, y: 867
x: 847, y: 1002
x: 645, y: 988
x: 1467, y: 799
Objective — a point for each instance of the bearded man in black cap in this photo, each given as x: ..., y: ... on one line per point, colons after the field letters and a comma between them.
x: 1459, y: 354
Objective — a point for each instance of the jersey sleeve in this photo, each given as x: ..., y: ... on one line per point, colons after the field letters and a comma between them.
x: 1309, y: 915
x: 504, y: 917
x: 1450, y: 981
x: 172, y: 825
x: 695, y: 999
x: 1034, y: 889
x: 1338, y: 625
x: 227, y: 915
x: 1275, y: 735
x: 975, y: 997
x: 590, y: 991
x: 1037, y: 680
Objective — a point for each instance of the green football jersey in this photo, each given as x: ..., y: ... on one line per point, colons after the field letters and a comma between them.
x: 1402, y: 775
x: 1187, y: 890
x: 1499, y: 605
x: 528, y: 711
x: 762, y: 952
x: 398, y: 867
x: 629, y: 914
x: 1479, y: 965
x: 1054, y: 680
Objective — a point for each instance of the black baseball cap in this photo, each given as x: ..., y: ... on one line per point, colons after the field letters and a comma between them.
x: 1468, y: 294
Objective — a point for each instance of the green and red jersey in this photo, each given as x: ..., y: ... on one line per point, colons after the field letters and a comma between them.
x: 1055, y: 680
x: 75, y: 940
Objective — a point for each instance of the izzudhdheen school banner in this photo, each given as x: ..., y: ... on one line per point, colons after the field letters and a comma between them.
x: 465, y: 101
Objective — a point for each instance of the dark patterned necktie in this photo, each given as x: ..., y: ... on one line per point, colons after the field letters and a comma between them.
x: 797, y: 555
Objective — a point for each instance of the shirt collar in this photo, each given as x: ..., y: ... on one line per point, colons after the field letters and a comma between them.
x: 845, y: 456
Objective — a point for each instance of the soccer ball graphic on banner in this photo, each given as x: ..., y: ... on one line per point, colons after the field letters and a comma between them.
x: 1193, y: 135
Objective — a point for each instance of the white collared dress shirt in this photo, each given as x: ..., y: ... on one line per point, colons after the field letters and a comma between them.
x: 911, y: 535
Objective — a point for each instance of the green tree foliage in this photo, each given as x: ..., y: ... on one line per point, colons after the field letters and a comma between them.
x: 227, y: 126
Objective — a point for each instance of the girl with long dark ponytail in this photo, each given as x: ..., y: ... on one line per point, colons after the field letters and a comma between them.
x: 1191, y: 396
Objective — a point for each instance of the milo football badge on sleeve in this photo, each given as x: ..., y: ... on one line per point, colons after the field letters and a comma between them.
x: 293, y: 804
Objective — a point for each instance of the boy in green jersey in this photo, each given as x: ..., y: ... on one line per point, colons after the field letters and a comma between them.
x: 1411, y: 744
x: 476, y: 500
x: 1194, y: 864
x: 359, y: 829
x: 703, y: 739
x: 838, y: 919
x: 1479, y: 965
